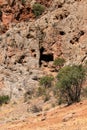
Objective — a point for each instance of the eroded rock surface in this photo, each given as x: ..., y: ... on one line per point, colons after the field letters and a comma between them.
x: 29, y: 45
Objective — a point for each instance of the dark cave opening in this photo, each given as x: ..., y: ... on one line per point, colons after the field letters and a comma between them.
x: 45, y: 57
x: 62, y: 33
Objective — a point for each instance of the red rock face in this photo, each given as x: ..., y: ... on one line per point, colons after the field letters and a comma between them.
x: 45, y: 2
x: 14, y: 11
x: 6, y: 19
x: 2, y: 2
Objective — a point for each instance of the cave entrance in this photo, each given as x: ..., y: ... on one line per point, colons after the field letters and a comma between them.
x: 45, y: 57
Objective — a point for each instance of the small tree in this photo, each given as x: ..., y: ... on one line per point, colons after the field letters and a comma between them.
x: 70, y: 79
x: 38, y: 9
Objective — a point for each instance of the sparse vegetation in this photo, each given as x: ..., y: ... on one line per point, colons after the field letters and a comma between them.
x: 38, y: 9
x: 84, y: 92
x: 46, y: 81
x: 41, y: 91
x: 23, y: 1
x: 28, y: 95
x: 46, y: 97
x: 36, y: 109
x: 44, y: 92
x: 59, y: 62
x: 70, y: 79
x: 4, y: 99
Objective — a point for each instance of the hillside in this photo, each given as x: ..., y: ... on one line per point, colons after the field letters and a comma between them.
x: 30, y: 42
x: 59, y: 118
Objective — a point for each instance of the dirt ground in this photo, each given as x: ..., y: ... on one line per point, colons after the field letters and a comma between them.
x: 73, y: 117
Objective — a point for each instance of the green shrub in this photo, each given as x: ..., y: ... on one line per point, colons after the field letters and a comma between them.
x: 4, y: 99
x: 46, y: 81
x: 23, y: 1
x: 38, y: 9
x: 59, y: 62
x: 45, y: 87
x: 70, y: 79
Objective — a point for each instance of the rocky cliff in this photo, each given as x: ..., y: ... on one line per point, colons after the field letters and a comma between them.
x: 29, y: 45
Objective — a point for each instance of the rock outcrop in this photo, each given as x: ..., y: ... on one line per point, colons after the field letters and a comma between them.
x: 29, y: 45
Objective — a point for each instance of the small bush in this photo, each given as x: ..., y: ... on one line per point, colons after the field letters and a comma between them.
x: 59, y: 62
x: 38, y: 9
x: 23, y: 1
x: 46, y: 81
x: 36, y: 109
x: 4, y: 99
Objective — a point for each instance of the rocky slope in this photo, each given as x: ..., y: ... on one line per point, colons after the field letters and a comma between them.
x: 29, y: 45
x: 60, y: 118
